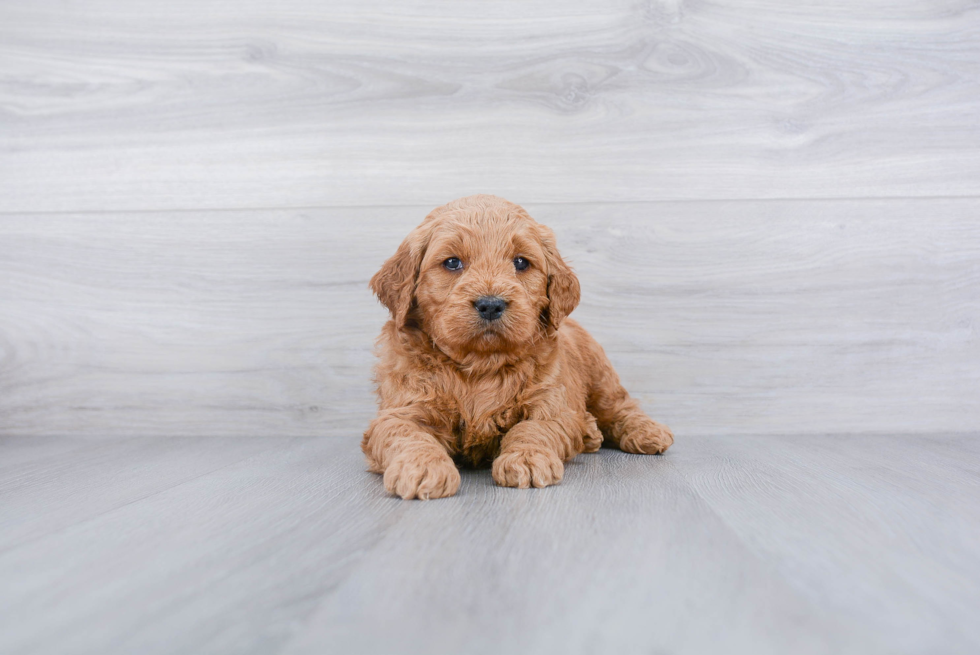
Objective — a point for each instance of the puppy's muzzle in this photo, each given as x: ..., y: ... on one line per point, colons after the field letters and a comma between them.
x: 490, y: 308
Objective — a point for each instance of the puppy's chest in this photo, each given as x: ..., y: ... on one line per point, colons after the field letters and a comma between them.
x: 484, y: 413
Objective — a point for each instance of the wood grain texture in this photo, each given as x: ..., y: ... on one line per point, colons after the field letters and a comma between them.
x: 779, y: 317
x: 144, y: 105
x: 247, y: 547
x: 827, y: 544
x: 39, y: 494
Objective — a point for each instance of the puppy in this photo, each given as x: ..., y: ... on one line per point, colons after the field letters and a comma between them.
x: 480, y: 363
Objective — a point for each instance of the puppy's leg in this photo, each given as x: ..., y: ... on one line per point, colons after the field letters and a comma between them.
x: 593, y: 435
x: 620, y: 418
x: 532, y: 452
x: 415, y: 464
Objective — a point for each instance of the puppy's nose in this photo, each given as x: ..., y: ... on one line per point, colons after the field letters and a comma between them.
x: 490, y: 307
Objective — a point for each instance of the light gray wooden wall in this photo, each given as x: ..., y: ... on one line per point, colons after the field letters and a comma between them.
x: 773, y: 208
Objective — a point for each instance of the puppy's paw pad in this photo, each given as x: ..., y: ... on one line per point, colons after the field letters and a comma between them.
x: 528, y: 468
x: 647, y: 437
x: 423, y: 476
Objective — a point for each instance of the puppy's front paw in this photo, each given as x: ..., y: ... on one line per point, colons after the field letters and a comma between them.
x: 422, y: 475
x: 527, y: 467
x: 646, y: 437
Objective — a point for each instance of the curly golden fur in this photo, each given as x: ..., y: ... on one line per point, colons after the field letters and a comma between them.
x: 516, y: 384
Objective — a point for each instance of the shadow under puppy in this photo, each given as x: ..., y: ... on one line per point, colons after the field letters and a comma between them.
x: 479, y: 362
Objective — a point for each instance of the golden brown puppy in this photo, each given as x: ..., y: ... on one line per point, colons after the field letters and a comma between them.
x: 480, y: 364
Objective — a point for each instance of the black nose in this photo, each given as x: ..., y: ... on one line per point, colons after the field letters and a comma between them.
x: 490, y: 307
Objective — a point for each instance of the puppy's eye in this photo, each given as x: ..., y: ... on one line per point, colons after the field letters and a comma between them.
x: 453, y: 264
x: 521, y: 264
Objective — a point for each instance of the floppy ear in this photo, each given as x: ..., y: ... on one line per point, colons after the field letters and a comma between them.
x: 394, y: 284
x: 563, y: 287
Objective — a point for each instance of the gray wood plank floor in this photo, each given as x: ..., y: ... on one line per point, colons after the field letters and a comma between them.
x: 186, y: 104
x: 826, y: 544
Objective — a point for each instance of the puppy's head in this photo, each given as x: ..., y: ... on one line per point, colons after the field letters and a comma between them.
x: 479, y: 276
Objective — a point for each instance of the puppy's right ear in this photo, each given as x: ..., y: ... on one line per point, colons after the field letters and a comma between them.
x: 394, y: 284
x: 563, y: 287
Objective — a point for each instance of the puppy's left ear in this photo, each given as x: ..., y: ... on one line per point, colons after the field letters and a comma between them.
x: 563, y: 287
x: 395, y: 283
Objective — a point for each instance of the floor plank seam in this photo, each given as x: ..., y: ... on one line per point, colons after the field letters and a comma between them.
x: 427, y: 206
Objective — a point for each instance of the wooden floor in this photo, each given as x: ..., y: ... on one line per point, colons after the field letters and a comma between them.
x: 825, y: 544
x: 774, y: 212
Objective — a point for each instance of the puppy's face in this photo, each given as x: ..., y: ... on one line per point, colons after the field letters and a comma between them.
x: 480, y: 277
x: 482, y: 284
